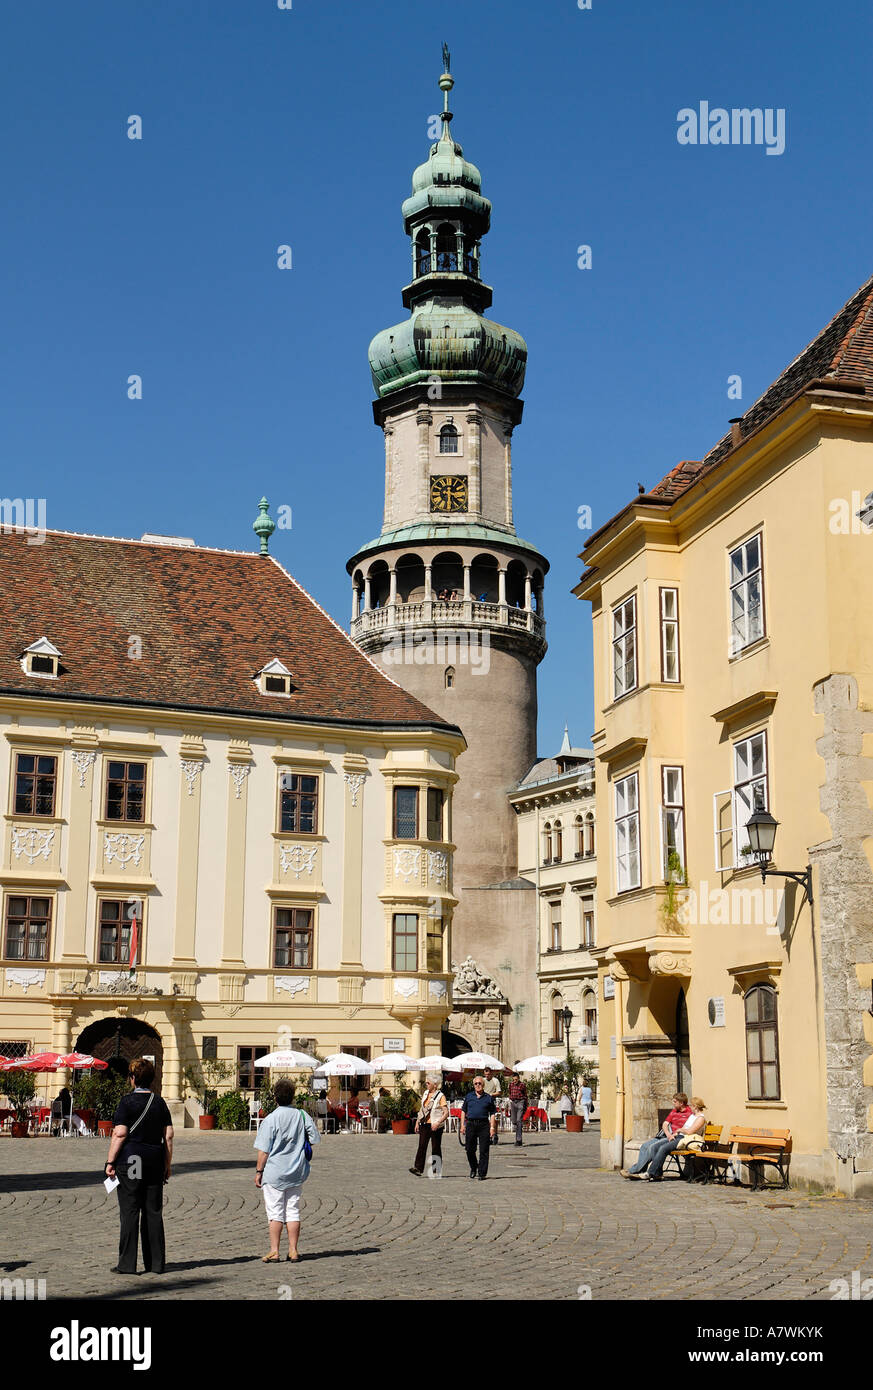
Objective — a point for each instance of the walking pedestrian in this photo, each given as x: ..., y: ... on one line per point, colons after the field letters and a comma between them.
x: 140, y: 1157
x: 430, y: 1123
x: 586, y: 1101
x: 492, y: 1085
x: 282, y: 1167
x: 517, y: 1106
x: 478, y: 1127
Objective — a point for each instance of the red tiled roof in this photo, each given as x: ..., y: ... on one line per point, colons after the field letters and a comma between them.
x: 209, y: 621
x: 842, y: 353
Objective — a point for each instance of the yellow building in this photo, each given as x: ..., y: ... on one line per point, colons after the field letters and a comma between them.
x: 557, y: 852
x: 198, y: 762
x: 733, y: 659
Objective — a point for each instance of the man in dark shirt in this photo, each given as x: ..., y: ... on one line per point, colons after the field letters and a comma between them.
x: 478, y: 1125
x: 517, y: 1105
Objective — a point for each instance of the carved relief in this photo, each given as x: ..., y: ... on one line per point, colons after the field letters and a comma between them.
x: 438, y: 867
x: 31, y: 843
x: 407, y: 863
x: 83, y: 758
x: 126, y: 849
x: 25, y: 978
x: 354, y: 781
x: 406, y: 988
x: 297, y: 859
x: 292, y: 984
x: 191, y: 767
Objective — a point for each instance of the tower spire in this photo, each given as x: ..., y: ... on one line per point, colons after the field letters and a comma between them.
x: 447, y: 82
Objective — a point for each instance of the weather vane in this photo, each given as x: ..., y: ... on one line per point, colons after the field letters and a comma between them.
x: 447, y: 57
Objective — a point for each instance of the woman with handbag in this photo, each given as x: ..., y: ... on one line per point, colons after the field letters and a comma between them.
x: 430, y: 1124
x: 284, y: 1142
x: 140, y: 1157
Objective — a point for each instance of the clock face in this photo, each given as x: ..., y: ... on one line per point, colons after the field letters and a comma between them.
x: 448, y: 494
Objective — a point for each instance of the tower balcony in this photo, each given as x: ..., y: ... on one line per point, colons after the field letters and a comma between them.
x: 447, y: 613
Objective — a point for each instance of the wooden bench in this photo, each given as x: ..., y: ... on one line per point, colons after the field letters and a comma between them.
x: 711, y: 1135
x: 757, y: 1147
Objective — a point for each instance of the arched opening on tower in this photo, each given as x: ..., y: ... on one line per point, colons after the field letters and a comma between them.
x: 447, y: 247
x: 447, y: 576
x: 422, y: 252
x: 537, y: 586
x: 515, y: 577
x: 410, y: 579
x: 380, y: 584
x: 483, y: 579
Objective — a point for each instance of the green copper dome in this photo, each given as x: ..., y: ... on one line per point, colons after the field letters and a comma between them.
x: 446, y: 334
x: 450, y: 340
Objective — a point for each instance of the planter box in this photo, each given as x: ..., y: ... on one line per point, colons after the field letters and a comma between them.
x: 104, y: 1127
x: 207, y: 1122
x: 400, y: 1126
x: 574, y: 1124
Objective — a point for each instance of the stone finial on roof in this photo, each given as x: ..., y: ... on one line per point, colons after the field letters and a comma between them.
x: 565, y: 746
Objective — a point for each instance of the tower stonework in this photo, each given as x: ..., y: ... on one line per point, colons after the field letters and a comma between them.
x: 448, y: 597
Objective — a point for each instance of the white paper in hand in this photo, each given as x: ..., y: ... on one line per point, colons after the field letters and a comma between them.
x: 110, y: 1184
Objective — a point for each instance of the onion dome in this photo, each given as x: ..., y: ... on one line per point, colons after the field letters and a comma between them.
x: 446, y: 334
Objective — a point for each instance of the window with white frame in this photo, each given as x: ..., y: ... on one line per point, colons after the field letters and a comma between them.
x: 750, y: 787
x: 670, y: 635
x: 672, y: 824
x: 733, y: 808
x: 627, y: 833
x: 555, y: 926
x: 624, y: 647
x: 746, y: 594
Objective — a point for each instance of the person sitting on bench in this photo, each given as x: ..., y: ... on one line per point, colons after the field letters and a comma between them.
x: 682, y: 1120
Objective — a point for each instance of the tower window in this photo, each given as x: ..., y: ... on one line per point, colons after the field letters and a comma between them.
x: 422, y: 254
x: 448, y: 439
x: 446, y: 248
x: 450, y: 677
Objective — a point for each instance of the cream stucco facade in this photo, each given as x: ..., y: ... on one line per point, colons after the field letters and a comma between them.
x: 210, y: 865
x: 762, y: 696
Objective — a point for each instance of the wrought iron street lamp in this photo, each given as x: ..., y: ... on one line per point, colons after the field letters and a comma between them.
x: 761, y: 828
x: 567, y: 1016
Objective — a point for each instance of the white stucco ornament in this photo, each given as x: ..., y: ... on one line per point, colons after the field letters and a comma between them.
x: 25, y: 978
x: 83, y: 758
x: 436, y: 989
x: 125, y: 849
x: 297, y: 859
x: 292, y: 984
x: 406, y: 988
x: 31, y: 843
x: 239, y: 772
x: 354, y: 781
x: 438, y: 866
x: 191, y: 767
x: 407, y: 863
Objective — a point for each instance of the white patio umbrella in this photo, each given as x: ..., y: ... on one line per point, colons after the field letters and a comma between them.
x: 294, y: 1061
x: 469, y: 1061
x: 343, y: 1064
x: 394, y: 1061
x: 433, y: 1064
x: 540, y: 1064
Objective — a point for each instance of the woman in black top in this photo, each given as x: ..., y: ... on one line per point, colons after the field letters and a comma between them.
x: 140, y: 1156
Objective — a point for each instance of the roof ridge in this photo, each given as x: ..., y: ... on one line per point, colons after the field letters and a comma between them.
x: 151, y: 545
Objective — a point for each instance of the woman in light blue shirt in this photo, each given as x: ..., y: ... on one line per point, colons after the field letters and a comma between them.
x: 282, y: 1167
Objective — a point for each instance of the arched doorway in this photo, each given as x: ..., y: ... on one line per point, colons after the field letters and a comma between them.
x: 453, y: 1045
x: 118, y: 1040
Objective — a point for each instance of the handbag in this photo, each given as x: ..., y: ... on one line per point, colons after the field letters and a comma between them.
x: 307, y: 1147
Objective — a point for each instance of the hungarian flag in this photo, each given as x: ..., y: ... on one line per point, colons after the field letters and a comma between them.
x: 134, y: 941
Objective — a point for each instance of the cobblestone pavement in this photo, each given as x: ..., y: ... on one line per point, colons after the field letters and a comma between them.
x: 546, y: 1221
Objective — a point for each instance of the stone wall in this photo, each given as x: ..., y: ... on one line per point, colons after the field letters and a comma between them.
x: 844, y: 916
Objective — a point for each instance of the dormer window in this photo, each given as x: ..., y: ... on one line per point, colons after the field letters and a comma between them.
x: 448, y: 439
x: 274, y: 679
x: 42, y: 659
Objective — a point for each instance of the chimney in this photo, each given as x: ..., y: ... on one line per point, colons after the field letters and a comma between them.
x: 736, y: 424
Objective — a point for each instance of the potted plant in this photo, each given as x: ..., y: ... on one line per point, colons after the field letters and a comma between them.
x: 202, y: 1079
x: 20, y: 1087
x: 569, y: 1075
x: 101, y: 1092
x: 400, y: 1108
x: 676, y: 883
x: 232, y: 1111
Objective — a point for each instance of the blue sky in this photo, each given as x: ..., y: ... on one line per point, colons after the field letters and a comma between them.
x: 264, y: 126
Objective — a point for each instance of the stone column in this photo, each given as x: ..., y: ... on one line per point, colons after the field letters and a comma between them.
x: 416, y: 1043
x: 239, y: 761
x: 501, y: 594
x: 84, y: 753
x: 392, y: 592
x: 424, y: 420
x: 474, y: 448
x: 354, y: 778
x: 468, y: 605
x: 428, y: 592
x: 356, y: 602
x: 367, y: 594
x: 193, y: 754
x: 527, y: 591
x: 62, y: 1035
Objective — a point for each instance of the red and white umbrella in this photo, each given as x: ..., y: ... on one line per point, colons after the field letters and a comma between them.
x: 475, y: 1061
x: 344, y: 1064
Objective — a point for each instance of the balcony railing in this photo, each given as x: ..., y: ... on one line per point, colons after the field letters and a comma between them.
x: 448, y: 613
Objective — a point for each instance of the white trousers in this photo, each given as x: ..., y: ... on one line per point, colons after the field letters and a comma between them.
x: 282, y: 1203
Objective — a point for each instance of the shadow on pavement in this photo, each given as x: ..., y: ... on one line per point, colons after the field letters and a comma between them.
x: 35, y: 1182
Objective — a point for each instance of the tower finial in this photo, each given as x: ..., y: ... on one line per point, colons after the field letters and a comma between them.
x: 447, y: 82
x: 264, y: 526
